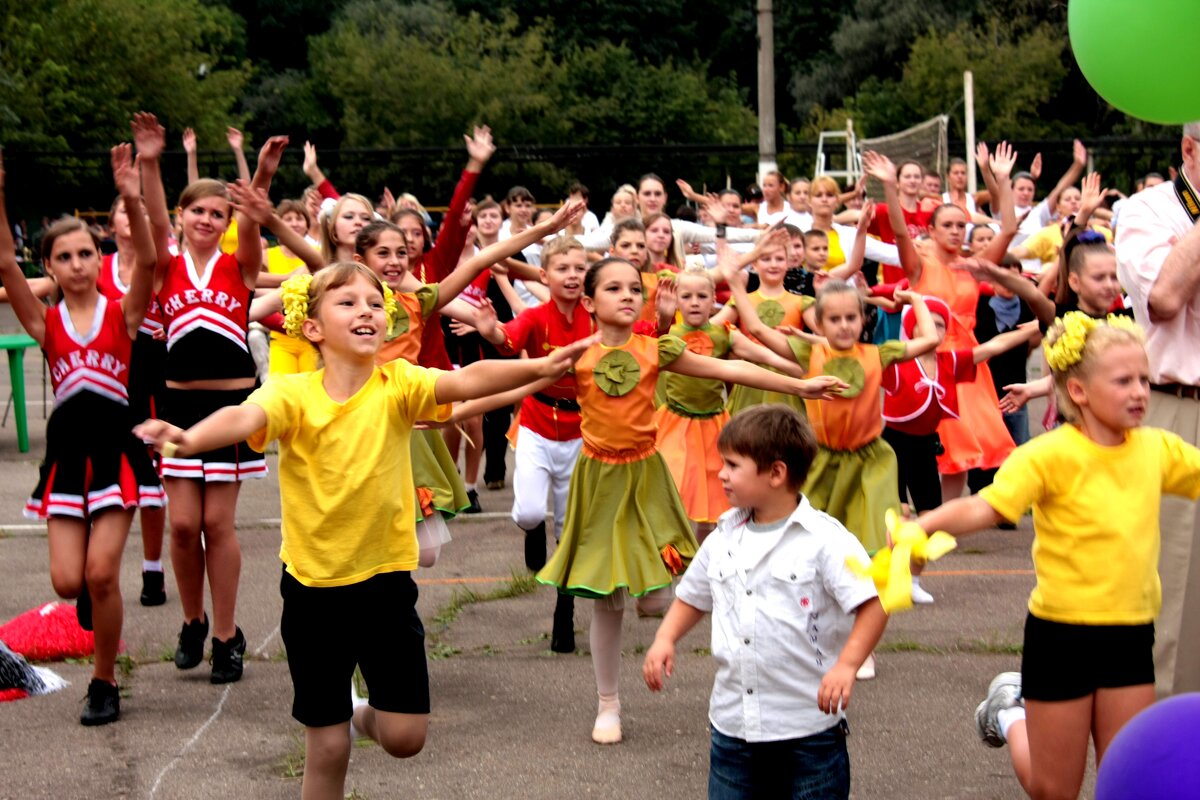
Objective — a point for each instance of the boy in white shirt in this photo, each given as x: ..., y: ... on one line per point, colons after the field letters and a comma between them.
x: 791, y: 623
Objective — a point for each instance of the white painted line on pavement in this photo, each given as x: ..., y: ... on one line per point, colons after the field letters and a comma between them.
x: 195, y: 738
x: 39, y: 529
x: 262, y: 648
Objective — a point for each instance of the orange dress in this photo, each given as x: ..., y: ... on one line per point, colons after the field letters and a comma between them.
x: 689, y: 423
x: 623, y: 510
x: 978, y: 439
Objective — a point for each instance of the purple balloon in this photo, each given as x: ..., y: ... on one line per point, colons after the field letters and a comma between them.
x: 1156, y: 756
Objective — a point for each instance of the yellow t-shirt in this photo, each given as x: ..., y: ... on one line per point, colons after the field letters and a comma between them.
x: 229, y: 241
x: 280, y: 264
x: 1095, y: 514
x: 345, y: 471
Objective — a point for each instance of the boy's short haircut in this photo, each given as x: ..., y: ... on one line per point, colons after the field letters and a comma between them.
x: 577, y: 188
x: 769, y: 433
x: 485, y: 204
x: 792, y: 230
x: 519, y: 193
x: 814, y: 234
x: 558, y: 246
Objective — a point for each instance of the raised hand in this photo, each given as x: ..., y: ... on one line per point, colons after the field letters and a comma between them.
x: 149, y: 137
x: 1079, y: 152
x: 310, y: 158
x: 568, y: 214
x: 1035, y: 167
x: 865, y: 216
x: 251, y: 201
x: 234, y: 137
x: 563, y: 358
x: 716, y: 209
x: 270, y: 155
x: 389, y: 202
x: 189, y: 141
x: 1017, y: 395
x: 665, y: 300
x: 879, y: 166
x: 1091, y: 196
x: 479, y: 147
x: 1003, y: 161
x: 688, y: 192
x: 125, y: 174
x: 982, y: 156
x: 904, y: 296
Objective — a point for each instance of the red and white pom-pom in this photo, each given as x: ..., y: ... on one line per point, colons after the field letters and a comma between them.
x: 49, y: 632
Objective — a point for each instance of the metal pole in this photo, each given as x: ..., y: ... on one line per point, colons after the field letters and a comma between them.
x: 969, y: 113
x: 766, y: 88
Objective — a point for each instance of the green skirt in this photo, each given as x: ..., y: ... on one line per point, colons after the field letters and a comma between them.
x: 743, y: 397
x: 434, y: 469
x: 619, y: 518
x: 856, y: 487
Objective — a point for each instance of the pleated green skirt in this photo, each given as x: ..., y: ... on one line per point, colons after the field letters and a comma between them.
x: 856, y: 487
x: 434, y: 469
x: 619, y: 518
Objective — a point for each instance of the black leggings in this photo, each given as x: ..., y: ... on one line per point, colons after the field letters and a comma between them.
x: 916, y: 457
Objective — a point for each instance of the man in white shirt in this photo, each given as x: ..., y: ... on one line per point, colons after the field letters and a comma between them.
x: 1158, y: 262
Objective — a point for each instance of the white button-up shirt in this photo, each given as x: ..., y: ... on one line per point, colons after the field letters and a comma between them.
x: 778, y: 624
x: 1152, y: 222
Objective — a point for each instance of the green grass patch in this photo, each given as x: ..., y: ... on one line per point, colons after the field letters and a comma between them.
x: 292, y: 763
x: 125, y: 664
x: 964, y: 646
x: 460, y: 598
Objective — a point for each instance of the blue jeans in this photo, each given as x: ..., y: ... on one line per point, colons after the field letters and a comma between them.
x: 1018, y: 425
x: 816, y: 767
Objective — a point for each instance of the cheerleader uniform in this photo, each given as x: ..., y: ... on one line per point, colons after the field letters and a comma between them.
x: 690, y: 422
x: 440, y: 490
x: 206, y: 320
x: 979, y: 438
x: 853, y: 477
x: 784, y: 309
x: 623, y: 510
x: 149, y: 359
x: 93, y: 461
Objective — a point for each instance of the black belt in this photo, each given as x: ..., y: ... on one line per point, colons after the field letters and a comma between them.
x: 561, y: 403
x: 1178, y: 389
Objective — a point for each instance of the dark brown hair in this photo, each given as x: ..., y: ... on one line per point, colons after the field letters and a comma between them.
x: 769, y: 433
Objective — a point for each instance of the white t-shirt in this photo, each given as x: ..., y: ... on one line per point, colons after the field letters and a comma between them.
x: 778, y: 622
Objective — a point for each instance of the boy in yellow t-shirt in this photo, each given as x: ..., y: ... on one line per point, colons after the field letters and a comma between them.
x: 349, y: 538
x: 1095, y: 486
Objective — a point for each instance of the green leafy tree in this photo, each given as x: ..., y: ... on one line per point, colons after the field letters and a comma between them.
x: 75, y: 70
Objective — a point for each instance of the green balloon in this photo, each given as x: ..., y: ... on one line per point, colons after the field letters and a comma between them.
x: 1137, y: 55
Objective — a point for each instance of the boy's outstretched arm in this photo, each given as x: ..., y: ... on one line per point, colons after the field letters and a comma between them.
x: 660, y: 658
x: 221, y: 428
x: 869, y: 621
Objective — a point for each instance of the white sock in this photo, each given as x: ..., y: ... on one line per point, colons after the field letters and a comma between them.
x: 1008, y: 717
x: 152, y: 566
x: 471, y: 487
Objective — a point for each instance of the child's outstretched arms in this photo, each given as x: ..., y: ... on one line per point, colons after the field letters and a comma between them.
x: 221, y: 428
x: 821, y: 387
x: 141, y: 286
x: 660, y: 658
x: 485, y: 378
x: 253, y: 203
x: 150, y: 138
x: 836, y: 686
x: 925, y: 336
x: 1003, y: 342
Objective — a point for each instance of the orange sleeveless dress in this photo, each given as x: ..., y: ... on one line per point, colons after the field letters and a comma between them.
x: 978, y: 439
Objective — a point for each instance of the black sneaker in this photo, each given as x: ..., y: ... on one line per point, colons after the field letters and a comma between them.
x: 227, y: 658
x: 103, y: 704
x: 562, y: 639
x: 153, y: 591
x: 474, y: 508
x: 190, y: 651
x: 535, y: 548
x: 83, y: 608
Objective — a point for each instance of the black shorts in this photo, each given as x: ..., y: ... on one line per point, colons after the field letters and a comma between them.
x: 374, y: 625
x: 235, y: 462
x: 1066, y: 662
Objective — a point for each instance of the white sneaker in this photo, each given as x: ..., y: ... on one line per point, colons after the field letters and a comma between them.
x: 1003, y: 692
x: 919, y: 595
x: 867, y: 671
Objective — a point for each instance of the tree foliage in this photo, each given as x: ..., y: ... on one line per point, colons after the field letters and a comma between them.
x: 74, y: 71
x: 455, y: 70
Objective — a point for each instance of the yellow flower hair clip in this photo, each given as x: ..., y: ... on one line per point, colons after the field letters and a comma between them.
x: 294, y: 294
x: 1075, y: 326
x: 891, y: 567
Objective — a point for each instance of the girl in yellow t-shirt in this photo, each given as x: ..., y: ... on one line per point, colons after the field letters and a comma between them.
x: 289, y: 355
x: 626, y: 531
x: 346, y: 489
x: 1095, y: 486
